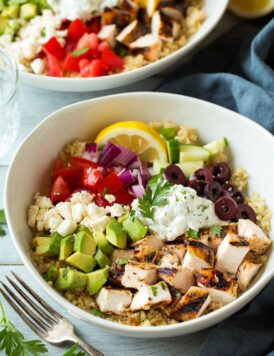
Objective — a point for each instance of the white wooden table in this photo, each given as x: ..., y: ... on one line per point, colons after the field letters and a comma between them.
x: 36, y: 104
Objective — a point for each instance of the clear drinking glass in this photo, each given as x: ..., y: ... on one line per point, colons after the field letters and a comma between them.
x: 9, y: 111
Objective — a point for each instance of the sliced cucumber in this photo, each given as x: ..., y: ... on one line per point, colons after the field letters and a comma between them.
x: 217, y: 146
x: 189, y: 168
x: 190, y: 153
x: 158, y: 166
x: 173, y: 149
x: 168, y: 133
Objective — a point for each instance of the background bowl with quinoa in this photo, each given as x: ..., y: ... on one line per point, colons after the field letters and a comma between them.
x: 183, y: 111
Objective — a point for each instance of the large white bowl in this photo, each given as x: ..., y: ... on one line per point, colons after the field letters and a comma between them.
x: 214, y: 11
x: 251, y: 146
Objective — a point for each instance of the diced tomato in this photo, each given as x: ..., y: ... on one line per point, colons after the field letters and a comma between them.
x: 92, y: 178
x: 59, y: 190
x: 76, y: 29
x: 54, y: 48
x: 102, y: 46
x: 71, y: 64
x: 111, y: 183
x: 84, y: 63
x: 99, y: 200
x: 123, y: 197
x: 72, y: 175
x: 82, y: 163
x: 89, y: 40
x: 111, y: 59
x: 94, y: 69
x: 57, y: 165
x: 54, y: 66
x: 95, y: 25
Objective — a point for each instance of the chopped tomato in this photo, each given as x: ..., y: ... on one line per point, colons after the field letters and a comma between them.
x: 99, y: 200
x: 111, y: 59
x: 94, y: 25
x: 59, y: 190
x: 123, y: 197
x: 111, y: 183
x: 71, y: 64
x: 83, y: 63
x: 92, y: 178
x: 102, y: 46
x: 54, y: 66
x: 72, y: 175
x: 94, y: 69
x: 54, y: 48
x: 82, y: 163
x: 57, y: 165
x: 88, y: 40
x: 76, y: 29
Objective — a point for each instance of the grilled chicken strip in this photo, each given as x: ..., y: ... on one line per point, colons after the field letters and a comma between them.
x: 252, y: 233
x: 145, y: 253
x: 148, y: 45
x: 121, y: 254
x: 108, y: 33
x: 151, y: 7
x: 222, y: 289
x: 131, y: 33
x: 164, y: 28
x: 112, y: 300
x: 192, y: 305
x: 118, y: 17
x: 231, y: 253
x: 116, y: 273
x: 129, y: 5
x: 138, y: 274
x: 151, y: 295
x: 247, y: 271
x: 150, y: 240
x: 178, y: 249
x: 198, y: 256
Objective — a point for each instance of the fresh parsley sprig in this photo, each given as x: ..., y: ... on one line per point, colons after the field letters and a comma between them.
x: 2, y: 222
x: 73, y: 351
x: 216, y: 230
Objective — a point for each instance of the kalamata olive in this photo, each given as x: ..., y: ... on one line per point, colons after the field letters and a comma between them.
x: 228, y: 187
x: 174, y: 174
x: 220, y: 172
x: 212, y: 190
x: 224, y: 193
x: 225, y: 208
x: 203, y: 174
x: 245, y: 212
x: 197, y: 185
x: 237, y: 196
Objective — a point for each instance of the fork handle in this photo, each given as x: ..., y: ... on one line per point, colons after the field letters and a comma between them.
x: 88, y: 348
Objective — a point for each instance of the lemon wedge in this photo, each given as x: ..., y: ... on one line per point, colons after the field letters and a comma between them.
x: 136, y: 136
x: 251, y: 9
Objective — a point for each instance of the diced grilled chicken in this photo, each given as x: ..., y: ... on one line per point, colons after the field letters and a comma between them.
x: 247, y: 271
x: 130, y: 33
x: 214, y: 240
x: 222, y: 289
x: 258, y: 240
x: 151, y: 7
x: 108, y: 33
x: 121, y: 254
x: 164, y: 28
x: 116, y: 273
x: 231, y: 253
x: 112, y: 300
x: 145, y: 254
x: 192, y: 305
x: 115, y: 16
x: 151, y: 240
x: 139, y: 274
x: 172, y: 12
x: 151, y: 295
x: 178, y: 249
x: 198, y: 256
x: 129, y: 5
x: 149, y: 46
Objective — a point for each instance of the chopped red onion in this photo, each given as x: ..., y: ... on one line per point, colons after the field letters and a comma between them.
x: 126, y: 177
x: 136, y: 163
x: 137, y: 191
x: 91, y: 148
x: 126, y: 156
x: 109, y: 154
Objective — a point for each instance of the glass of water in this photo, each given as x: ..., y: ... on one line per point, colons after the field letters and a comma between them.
x: 9, y: 111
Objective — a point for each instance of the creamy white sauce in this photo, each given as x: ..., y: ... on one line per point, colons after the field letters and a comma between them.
x: 184, y: 210
x: 81, y: 9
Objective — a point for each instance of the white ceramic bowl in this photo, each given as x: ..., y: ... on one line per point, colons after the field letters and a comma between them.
x: 83, y: 120
x: 214, y: 11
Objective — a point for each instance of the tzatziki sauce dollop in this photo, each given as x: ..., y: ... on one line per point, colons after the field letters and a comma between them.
x: 183, y: 210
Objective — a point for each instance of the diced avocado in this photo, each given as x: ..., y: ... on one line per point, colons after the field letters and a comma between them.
x: 102, y: 259
x: 70, y: 279
x: 39, y: 240
x: 216, y: 146
x: 135, y: 228
x: 190, y: 153
x: 168, y: 133
x: 102, y: 242
x: 81, y: 261
x: 66, y: 247
x: 83, y: 228
x: 3, y: 24
x: 96, y: 280
x: 11, y: 11
x: 116, y: 234
x: 48, y: 246
x: 189, y: 168
x: 83, y: 242
x: 28, y: 11
x: 173, y: 149
x: 51, y: 274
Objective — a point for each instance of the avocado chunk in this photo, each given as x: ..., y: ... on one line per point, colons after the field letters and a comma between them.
x: 102, y: 259
x: 102, y: 242
x: 70, y: 279
x: 51, y: 274
x: 28, y: 11
x: 48, y: 246
x: 3, y: 24
x: 83, y: 228
x: 115, y: 234
x: 135, y: 228
x: 66, y: 247
x: 11, y: 11
x: 96, y: 280
x: 83, y: 242
x: 79, y: 260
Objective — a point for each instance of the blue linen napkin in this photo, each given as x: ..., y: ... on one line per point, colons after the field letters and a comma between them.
x: 237, y: 72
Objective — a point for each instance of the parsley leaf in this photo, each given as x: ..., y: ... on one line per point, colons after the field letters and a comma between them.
x: 122, y: 261
x: 2, y: 231
x: 73, y: 351
x: 192, y: 233
x: 97, y: 312
x: 78, y: 52
x: 104, y: 192
x: 154, y: 290
x: 2, y: 217
x: 216, y: 230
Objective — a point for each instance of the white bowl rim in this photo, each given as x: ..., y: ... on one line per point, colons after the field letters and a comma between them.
x: 135, y: 331
x: 138, y: 71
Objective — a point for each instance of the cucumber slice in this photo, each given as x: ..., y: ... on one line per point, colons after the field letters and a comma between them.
x: 158, y: 166
x: 173, y: 149
x: 168, y: 133
x: 3, y: 24
x: 189, y: 168
x: 217, y: 146
x: 189, y: 153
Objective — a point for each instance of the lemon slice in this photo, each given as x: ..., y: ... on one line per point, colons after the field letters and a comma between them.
x: 251, y: 9
x: 136, y: 136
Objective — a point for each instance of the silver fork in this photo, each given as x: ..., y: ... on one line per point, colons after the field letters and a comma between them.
x: 45, y: 321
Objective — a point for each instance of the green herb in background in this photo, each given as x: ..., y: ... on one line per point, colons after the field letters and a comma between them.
x: 2, y: 222
x: 97, y: 312
x: 192, y: 233
x: 73, y: 351
x: 216, y: 230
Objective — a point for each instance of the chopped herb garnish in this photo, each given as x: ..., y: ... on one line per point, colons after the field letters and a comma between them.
x: 204, y: 207
x: 97, y: 312
x: 122, y: 261
x: 163, y: 285
x: 154, y: 290
x: 177, y: 294
x: 43, y: 32
x: 78, y: 52
x: 104, y: 192
x: 192, y: 233
x: 216, y: 230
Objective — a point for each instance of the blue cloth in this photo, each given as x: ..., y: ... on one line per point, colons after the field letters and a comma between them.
x: 237, y: 72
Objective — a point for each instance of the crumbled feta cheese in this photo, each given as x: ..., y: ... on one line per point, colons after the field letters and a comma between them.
x: 100, y: 224
x: 116, y: 210
x: 32, y: 214
x: 110, y: 198
x: 41, y: 214
x: 64, y: 209
x: 40, y: 226
x: 42, y: 202
x: 95, y: 212
x: 78, y: 211
x: 67, y: 227
x: 83, y: 197
x: 52, y: 220
x: 38, y: 66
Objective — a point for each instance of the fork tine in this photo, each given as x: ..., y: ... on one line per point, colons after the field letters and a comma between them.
x: 30, y: 314
x: 36, y: 296
x: 23, y: 315
x: 33, y: 305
